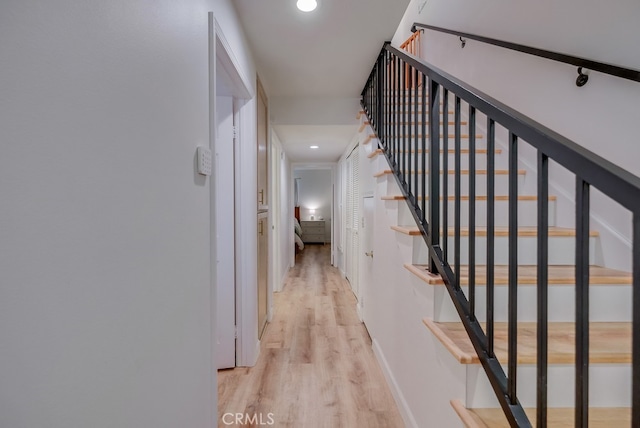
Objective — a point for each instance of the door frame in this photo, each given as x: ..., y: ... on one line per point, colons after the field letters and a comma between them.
x: 243, y: 88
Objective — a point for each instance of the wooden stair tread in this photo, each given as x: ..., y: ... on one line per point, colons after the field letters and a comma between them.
x: 382, y: 173
x: 610, y: 342
x: 453, y: 151
x: 450, y: 122
x: 359, y: 115
x: 466, y: 197
x: 449, y: 136
x: 599, y: 417
x: 452, y: 172
x: 524, y: 231
x: 528, y: 275
x: 407, y: 230
x: 374, y: 153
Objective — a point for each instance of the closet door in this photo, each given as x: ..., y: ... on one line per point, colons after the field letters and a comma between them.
x: 263, y: 161
x: 352, y: 219
x: 263, y: 270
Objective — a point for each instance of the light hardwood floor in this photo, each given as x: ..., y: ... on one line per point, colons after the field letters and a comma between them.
x: 316, y: 367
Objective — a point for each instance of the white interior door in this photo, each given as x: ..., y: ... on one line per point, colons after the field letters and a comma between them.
x: 366, y: 253
x: 353, y: 219
x: 225, y: 226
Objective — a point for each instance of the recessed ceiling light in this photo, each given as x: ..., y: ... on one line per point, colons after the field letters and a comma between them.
x: 314, y: 147
x: 307, y: 5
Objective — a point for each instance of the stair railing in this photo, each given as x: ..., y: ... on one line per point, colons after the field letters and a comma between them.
x: 412, y: 126
x: 581, y: 63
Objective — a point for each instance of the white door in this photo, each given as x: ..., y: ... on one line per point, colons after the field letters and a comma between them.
x: 366, y: 253
x: 225, y: 231
x: 352, y: 220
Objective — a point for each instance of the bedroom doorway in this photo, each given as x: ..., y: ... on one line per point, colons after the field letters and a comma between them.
x: 314, y: 203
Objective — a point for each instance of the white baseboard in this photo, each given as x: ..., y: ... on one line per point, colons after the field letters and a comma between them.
x: 402, y: 404
x: 359, y: 311
x: 283, y: 279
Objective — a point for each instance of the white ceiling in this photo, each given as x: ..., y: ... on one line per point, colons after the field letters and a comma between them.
x: 327, y: 55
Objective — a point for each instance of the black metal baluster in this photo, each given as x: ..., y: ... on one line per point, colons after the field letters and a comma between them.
x: 434, y: 169
x: 372, y: 120
x: 403, y: 167
x: 381, y: 99
x: 388, y: 147
x: 635, y: 385
x: 409, y: 152
x: 543, y: 291
x: 369, y: 107
x: 491, y: 193
x: 513, y: 267
x: 376, y: 123
x: 416, y: 144
x: 424, y: 148
x: 374, y: 117
x: 582, y: 303
x: 472, y: 211
x: 396, y: 96
x: 458, y: 190
x: 445, y: 181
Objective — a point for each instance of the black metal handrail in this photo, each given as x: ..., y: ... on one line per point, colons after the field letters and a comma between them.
x: 614, y: 70
x: 407, y: 103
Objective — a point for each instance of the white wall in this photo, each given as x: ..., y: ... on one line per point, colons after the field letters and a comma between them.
x: 316, y: 192
x: 601, y: 116
x: 105, y: 287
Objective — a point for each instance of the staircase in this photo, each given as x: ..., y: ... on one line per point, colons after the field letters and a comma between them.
x: 489, y: 240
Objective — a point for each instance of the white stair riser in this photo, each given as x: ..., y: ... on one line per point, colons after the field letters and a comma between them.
x: 481, y: 161
x: 561, y: 250
x: 609, y: 386
x: 413, y: 143
x: 610, y: 303
x: 501, y: 184
x: 527, y: 213
x: 481, y: 164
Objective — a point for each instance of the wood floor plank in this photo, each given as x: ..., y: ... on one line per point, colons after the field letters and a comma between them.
x: 316, y: 366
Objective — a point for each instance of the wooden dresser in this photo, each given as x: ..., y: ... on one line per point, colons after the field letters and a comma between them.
x: 313, y: 231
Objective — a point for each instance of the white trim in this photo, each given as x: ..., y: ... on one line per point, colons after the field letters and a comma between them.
x: 401, y: 402
x: 285, y: 275
x: 213, y: 300
x: 246, y: 224
x: 230, y: 63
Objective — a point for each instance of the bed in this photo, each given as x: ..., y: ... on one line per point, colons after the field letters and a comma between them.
x: 297, y: 234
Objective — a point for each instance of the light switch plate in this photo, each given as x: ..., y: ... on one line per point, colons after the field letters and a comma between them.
x: 204, y: 160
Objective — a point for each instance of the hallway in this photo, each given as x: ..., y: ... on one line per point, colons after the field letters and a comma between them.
x: 316, y: 365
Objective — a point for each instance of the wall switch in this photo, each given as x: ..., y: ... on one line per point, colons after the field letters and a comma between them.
x: 204, y: 160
